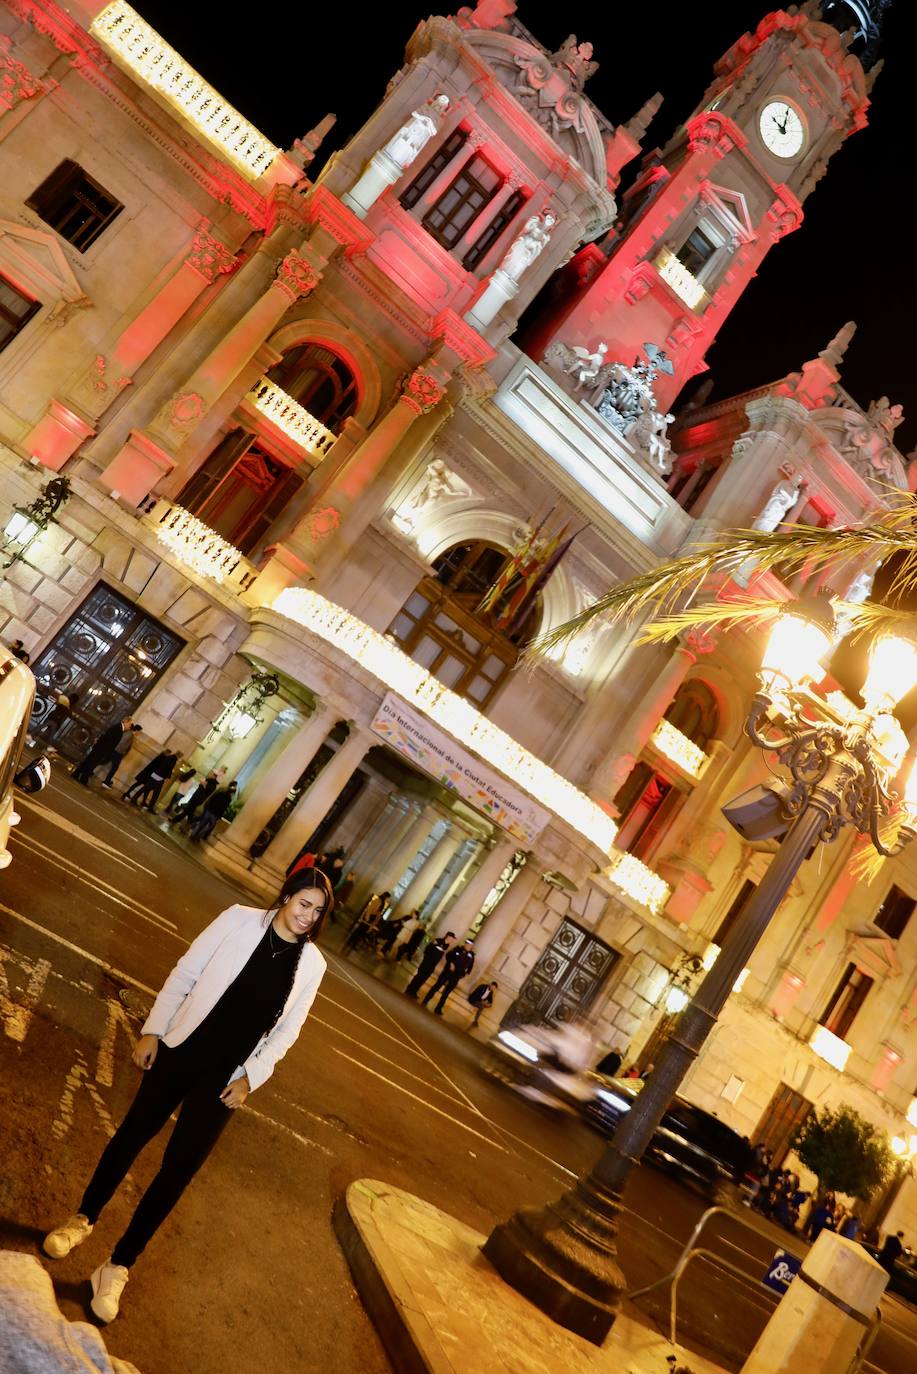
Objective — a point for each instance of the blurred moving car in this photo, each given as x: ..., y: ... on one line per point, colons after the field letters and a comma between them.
x: 693, y: 1144
x: 17, y: 693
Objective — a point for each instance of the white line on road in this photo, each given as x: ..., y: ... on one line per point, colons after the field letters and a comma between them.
x: 76, y: 949
x: 71, y: 828
x: 112, y: 894
x: 288, y: 1130
x: 423, y: 1102
x: 391, y: 1063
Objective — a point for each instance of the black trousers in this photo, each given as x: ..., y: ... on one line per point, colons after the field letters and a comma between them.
x: 424, y: 972
x: 201, y: 1120
x: 444, y: 984
x: 88, y: 765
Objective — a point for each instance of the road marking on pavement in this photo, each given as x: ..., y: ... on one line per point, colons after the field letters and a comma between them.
x: 77, y: 831
x: 17, y: 1015
x: 397, y: 1067
x: 288, y: 1130
x: 423, y: 1102
x: 77, y: 1078
x: 77, y: 949
x: 98, y: 885
x: 323, y: 997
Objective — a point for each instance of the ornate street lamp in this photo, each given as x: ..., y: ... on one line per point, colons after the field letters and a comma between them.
x: 26, y: 523
x: 563, y: 1257
x: 240, y: 716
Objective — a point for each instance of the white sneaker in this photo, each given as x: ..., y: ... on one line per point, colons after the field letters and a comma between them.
x: 107, y: 1286
x: 63, y: 1239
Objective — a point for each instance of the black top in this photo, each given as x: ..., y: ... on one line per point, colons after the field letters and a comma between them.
x: 459, y: 962
x: 247, y: 1009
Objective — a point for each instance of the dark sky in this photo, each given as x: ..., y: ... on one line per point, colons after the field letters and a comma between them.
x: 853, y: 258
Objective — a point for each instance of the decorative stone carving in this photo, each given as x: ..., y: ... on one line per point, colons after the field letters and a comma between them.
x: 551, y: 86
x: 868, y: 446
x: 304, y: 149
x: 576, y: 362
x: 437, y: 484
x: 323, y: 522
x: 833, y: 355
x: 422, y: 391
x: 296, y: 277
x: 577, y: 59
x: 628, y: 403
x: 781, y: 500
x: 99, y: 370
x: 185, y: 411
x: 16, y: 81
x: 210, y: 257
x: 528, y: 245
x: 413, y: 136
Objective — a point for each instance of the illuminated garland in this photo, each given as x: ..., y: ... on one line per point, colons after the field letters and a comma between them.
x: 638, y: 882
x: 291, y: 418
x: 677, y: 747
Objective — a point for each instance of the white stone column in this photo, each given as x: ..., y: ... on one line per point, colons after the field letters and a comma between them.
x: 426, y: 878
x: 231, y: 850
x: 314, y: 804
x: 472, y: 897
x: 501, y: 920
x: 399, y: 857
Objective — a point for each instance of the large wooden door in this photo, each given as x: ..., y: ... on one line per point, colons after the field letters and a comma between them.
x: 111, y: 654
x: 566, y: 979
x: 785, y: 1113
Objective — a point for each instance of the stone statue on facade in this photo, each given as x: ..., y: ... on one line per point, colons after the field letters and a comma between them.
x: 437, y: 484
x: 628, y: 403
x: 576, y: 362
x: 576, y: 58
x: 868, y: 445
x: 528, y: 245
x: 413, y: 136
x: 781, y: 500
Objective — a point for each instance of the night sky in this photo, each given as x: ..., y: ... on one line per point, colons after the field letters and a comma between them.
x: 853, y: 258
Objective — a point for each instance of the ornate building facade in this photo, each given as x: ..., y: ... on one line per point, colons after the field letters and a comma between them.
x: 307, y: 444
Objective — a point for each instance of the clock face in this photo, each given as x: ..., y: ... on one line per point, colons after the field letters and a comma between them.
x: 782, y: 129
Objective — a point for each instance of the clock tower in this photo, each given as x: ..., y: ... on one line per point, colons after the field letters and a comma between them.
x: 706, y: 210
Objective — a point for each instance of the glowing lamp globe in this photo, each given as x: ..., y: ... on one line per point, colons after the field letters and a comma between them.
x: 676, y: 999
x: 802, y: 635
x: 241, y: 725
x: 20, y: 528
x: 892, y: 672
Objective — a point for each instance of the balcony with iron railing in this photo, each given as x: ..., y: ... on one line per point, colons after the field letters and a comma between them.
x: 278, y: 408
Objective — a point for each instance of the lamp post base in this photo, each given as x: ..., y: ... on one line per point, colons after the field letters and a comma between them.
x: 563, y: 1258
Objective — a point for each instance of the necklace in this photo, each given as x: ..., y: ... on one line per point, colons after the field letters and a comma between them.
x: 284, y: 944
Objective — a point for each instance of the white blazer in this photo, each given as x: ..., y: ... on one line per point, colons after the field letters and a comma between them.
x: 201, y: 976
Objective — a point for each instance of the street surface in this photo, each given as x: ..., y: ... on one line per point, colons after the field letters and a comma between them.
x: 246, y: 1274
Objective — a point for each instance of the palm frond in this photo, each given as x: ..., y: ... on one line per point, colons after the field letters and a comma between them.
x: 661, y: 589
x: 708, y: 615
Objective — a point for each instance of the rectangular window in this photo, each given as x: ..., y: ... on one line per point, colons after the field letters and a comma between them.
x: 15, y: 311
x: 438, y: 163
x: 74, y: 204
x: 696, y: 251
x: 849, y: 996
x: 493, y: 230
x: 894, y: 913
x: 461, y: 203
x: 732, y: 915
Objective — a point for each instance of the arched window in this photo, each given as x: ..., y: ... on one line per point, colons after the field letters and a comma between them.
x: 649, y: 800
x: 441, y: 627
x: 320, y: 381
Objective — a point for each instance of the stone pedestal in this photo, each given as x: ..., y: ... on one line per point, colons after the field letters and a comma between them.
x: 134, y: 472
x: 380, y: 173
x: 56, y: 436
x: 498, y: 292
x: 824, y: 1314
x: 283, y: 569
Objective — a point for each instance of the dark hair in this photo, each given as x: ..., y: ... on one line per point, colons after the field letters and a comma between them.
x: 297, y: 882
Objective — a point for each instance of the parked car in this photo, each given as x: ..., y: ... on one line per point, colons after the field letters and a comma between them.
x: 691, y: 1143
x: 17, y: 693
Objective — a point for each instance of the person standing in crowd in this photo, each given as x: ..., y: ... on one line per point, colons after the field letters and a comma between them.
x: 186, y: 780
x: 481, y: 999
x: 61, y: 711
x: 306, y: 860
x: 388, y: 934
x: 199, y: 796
x: 103, y: 750
x: 458, y: 964
x: 891, y: 1252
x: 408, y: 926
x: 227, y: 1014
x: 366, y: 926
x: 413, y: 942
x: 122, y: 750
x: 18, y: 650
x: 150, y: 781
x: 428, y: 962
x: 213, y: 811
x: 342, y: 893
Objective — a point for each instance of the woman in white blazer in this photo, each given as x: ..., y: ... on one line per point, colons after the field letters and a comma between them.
x: 227, y: 1014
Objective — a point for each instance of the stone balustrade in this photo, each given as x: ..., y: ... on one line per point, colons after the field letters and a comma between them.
x: 199, y: 547
x: 152, y: 62
x: 291, y: 418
